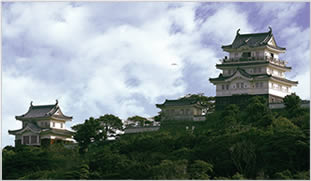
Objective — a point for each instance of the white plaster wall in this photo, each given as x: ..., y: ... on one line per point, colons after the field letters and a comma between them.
x: 49, y: 136
x: 278, y: 92
x: 57, y: 125
x: 249, y: 88
x: 268, y: 54
x: 232, y: 54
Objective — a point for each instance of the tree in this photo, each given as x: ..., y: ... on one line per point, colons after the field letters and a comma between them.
x: 292, y: 105
x: 243, y: 156
x: 169, y: 169
x: 111, y: 125
x: 207, y: 102
x: 200, y: 170
x: 230, y: 114
x: 258, y: 112
x: 87, y: 133
x: 96, y: 130
x: 138, y: 119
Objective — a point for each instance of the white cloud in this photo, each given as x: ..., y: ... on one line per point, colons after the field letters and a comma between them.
x: 303, y: 88
x: 96, y: 60
x: 278, y: 12
x: 221, y: 27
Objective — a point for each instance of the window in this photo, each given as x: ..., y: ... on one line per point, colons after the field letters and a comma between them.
x: 246, y: 54
x: 33, y: 139
x: 259, y: 69
x: 26, y: 140
x: 61, y: 125
x: 257, y: 84
x: 53, y: 124
x: 223, y: 87
x: 272, y: 55
x: 46, y: 124
x: 242, y: 85
x: 255, y: 70
x: 227, y: 86
x: 261, y: 84
x: 237, y: 85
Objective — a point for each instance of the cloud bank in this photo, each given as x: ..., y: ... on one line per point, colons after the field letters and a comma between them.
x: 122, y: 58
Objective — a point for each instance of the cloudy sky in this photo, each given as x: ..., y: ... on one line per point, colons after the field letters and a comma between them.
x: 99, y: 58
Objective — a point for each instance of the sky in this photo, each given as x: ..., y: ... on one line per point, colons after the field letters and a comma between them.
x: 122, y: 58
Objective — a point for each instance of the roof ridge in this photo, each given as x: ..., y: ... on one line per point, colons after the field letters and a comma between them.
x: 255, y: 33
x: 47, y: 105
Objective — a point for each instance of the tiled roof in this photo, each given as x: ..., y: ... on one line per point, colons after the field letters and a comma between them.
x: 285, y: 80
x: 42, y: 111
x: 250, y: 63
x: 178, y: 102
x: 32, y: 126
x: 252, y: 40
x: 242, y: 72
x: 58, y: 131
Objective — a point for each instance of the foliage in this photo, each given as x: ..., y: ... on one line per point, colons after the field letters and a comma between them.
x: 292, y: 105
x: 200, y: 170
x: 254, y: 143
x: 207, y: 102
x: 96, y: 130
x: 140, y: 120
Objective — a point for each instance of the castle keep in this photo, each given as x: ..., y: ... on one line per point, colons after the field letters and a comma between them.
x: 252, y: 68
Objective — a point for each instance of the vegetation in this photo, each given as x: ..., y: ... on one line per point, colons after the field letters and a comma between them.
x: 250, y: 143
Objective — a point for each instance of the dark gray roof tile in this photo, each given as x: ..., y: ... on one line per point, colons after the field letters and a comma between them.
x: 252, y: 40
x: 42, y: 111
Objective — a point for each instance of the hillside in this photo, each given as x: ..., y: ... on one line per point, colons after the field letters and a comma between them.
x: 254, y: 143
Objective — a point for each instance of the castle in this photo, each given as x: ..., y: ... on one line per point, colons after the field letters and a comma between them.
x: 42, y: 125
x: 253, y: 68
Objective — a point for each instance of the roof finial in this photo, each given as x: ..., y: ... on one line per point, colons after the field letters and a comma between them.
x: 30, y: 103
x: 238, y: 31
x: 56, y: 102
x: 270, y: 29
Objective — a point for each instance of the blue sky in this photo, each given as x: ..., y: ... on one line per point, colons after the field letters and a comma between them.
x: 116, y: 58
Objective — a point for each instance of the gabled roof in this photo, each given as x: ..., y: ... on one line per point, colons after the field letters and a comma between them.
x: 242, y: 72
x: 29, y: 126
x: 251, y: 63
x: 285, y: 80
x: 247, y: 75
x: 252, y: 40
x: 179, y: 102
x: 43, y: 111
x: 63, y: 132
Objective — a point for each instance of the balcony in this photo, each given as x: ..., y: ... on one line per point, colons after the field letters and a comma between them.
x: 252, y: 59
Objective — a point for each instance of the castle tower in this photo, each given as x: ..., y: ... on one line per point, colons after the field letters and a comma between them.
x: 252, y: 68
x: 42, y: 124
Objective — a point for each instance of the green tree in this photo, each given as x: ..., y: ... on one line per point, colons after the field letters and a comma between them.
x: 88, y: 132
x: 292, y: 105
x: 244, y: 157
x: 96, y: 130
x: 207, y: 102
x: 230, y: 115
x: 200, y: 170
x: 258, y: 112
x: 111, y: 125
x: 169, y: 169
x: 140, y: 120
